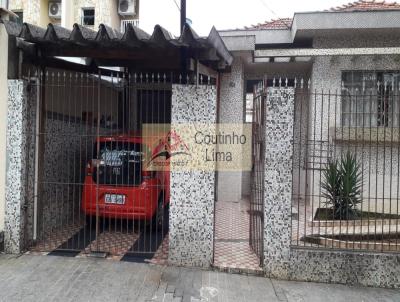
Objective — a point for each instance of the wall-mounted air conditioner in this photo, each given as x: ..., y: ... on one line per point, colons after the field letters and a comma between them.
x: 55, y: 10
x: 126, y: 7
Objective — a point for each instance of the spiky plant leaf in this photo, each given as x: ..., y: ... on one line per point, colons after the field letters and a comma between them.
x: 351, y: 186
x: 331, y: 184
x: 342, y: 186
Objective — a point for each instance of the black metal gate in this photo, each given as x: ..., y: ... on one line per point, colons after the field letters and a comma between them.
x: 95, y: 193
x: 258, y: 170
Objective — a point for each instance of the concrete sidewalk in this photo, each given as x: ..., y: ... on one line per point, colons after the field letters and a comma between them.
x: 50, y: 278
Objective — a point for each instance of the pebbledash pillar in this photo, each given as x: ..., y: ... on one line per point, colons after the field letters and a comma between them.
x: 191, y: 224
x: 279, y: 121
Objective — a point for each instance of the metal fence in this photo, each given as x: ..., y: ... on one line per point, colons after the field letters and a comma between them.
x: 93, y: 192
x: 346, y: 164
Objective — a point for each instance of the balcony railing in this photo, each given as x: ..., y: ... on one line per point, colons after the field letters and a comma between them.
x: 124, y: 24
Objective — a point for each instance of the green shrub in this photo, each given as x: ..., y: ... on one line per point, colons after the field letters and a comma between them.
x: 341, y: 185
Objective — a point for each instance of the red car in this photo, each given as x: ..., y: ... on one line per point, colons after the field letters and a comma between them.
x: 118, y: 184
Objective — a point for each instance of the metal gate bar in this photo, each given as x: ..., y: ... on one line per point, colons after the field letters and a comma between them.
x: 90, y: 149
x: 257, y: 174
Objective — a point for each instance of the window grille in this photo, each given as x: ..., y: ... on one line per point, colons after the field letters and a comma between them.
x: 88, y: 16
x: 370, y: 99
x: 124, y: 24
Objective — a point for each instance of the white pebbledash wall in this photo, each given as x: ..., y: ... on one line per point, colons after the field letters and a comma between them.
x: 279, y: 121
x: 191, y: 224
x: 16, y: 160
x: 20, y: 161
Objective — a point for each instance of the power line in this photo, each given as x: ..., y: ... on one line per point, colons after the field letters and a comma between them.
x: 177, y: 6
x: 271, y: 11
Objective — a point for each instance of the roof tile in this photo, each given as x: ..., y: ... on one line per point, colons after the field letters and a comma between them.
x: 360, y: 5
x: 365, y: 5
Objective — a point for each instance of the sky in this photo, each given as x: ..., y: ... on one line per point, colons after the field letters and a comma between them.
x: 223, y: 14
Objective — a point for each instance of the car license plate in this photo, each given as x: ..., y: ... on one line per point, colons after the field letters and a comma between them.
x: 115, y: 199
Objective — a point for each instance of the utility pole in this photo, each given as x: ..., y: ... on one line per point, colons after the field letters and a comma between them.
x: 183, y: 14
x: 184, y: 54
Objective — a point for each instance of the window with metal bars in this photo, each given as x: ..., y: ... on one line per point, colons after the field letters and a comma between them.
x: 88, y: 16
x: 370, y: 99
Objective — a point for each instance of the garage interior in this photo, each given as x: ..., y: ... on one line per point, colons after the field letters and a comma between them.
x: 83, y: 115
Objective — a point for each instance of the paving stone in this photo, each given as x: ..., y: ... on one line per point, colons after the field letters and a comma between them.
x: 232, y: 248
x: 170, y: 289
x: 159, y: 294
x: 50, y: 278
x: 168, y: 297
x: 179, y: 292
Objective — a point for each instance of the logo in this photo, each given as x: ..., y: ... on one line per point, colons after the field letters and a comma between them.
x: 168, y: 147
x: 197, y: 147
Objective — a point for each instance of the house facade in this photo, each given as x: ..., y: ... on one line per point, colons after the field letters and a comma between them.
x: 319, y: 91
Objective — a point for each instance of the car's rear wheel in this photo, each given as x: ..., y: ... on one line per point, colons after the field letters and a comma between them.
x: 158, y: 221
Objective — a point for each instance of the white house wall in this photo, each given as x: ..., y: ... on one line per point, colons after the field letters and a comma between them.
x: 231, y: 110
x: 3, y: 111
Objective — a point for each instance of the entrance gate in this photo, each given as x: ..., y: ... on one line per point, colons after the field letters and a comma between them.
x: 93, y: 192
x: 257, y: 173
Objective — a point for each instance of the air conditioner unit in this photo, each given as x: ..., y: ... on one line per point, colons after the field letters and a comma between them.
x: 55, y: 10
x: 126, y: 7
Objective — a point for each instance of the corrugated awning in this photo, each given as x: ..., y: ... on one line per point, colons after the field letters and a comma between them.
x: 110, y: 47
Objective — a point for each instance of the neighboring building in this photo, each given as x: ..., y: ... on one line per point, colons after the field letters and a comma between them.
x: 90, y: 13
